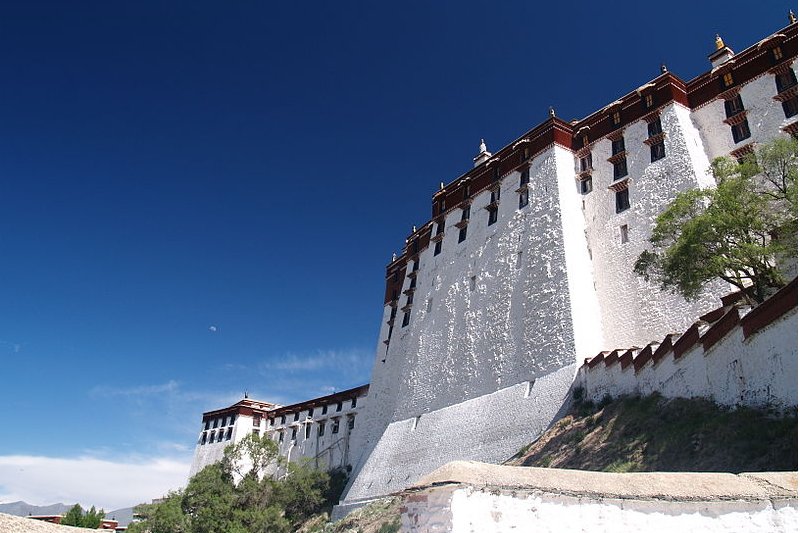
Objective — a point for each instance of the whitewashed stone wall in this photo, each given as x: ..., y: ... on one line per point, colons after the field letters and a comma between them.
x: 760, y: 371
x: 460, y: 509
x: 211, y: 452
x: 489, y: 428
x: 325, y: 451
x: 764, y: 115
x: 635, y: 311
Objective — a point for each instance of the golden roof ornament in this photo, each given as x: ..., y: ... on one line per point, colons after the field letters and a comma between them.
x: 551, y: 111
x: 719, y: 42
x: 792, y: 18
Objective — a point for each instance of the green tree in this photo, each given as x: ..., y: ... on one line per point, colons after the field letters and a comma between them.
x: 739, y: 231
x: 165, y: 516
x: 73, y: 517
x: 77, y: 517
x: 302, y: 492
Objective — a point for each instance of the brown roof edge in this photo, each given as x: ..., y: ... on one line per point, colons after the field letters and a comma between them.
x: 594, y: 361
x: 689, y: 338
x: 771, y: 310
x: 720, y: 328
x: 323, y: 400
x: 644, y: 356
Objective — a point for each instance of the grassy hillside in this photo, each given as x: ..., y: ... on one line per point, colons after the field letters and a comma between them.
x: 655, y: 434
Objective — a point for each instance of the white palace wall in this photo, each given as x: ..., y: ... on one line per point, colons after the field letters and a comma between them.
x: 498, y: 324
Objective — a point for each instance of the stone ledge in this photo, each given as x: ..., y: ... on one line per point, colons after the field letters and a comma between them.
x: 670, y: 486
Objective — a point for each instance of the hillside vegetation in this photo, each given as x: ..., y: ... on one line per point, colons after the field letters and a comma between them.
x: 655, y: 434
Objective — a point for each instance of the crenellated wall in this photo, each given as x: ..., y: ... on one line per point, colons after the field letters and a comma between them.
x: 733, y: 355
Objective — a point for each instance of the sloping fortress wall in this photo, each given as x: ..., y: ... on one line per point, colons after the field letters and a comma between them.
x: 526, y: 266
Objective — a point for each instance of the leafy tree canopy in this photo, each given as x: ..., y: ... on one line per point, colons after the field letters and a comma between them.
x: 77, y: 517
x: 237, y: 495
x: 740, y: 231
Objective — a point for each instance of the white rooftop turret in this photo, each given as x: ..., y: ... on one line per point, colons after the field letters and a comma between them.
x: 483, y: 154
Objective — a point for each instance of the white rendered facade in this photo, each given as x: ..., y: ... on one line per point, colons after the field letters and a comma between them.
x: 513, y: 296
x: 316, y: 430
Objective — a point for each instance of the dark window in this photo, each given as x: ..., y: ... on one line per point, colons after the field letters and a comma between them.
x: 351, y: 422
x: 465, y: 214
x: 280, y: 436
x: 338, y: 407
x: 623, y: 233
x: 310, y: 413
x: 466, y: 191
x: 406, y: 319
x: 232, y: 419
x: 216, y: 422
x: 211, y: 437
x: 620, y: 169
x: 525, y: 177
x: 657, y: 151
x: 271, y: 422
x: 495, y: 196
x: 586, y: 140
x: 203, y: 438
x: 648, y: 101
x: 296, y: 417
x: 654, y: 128
x: 324, y: 409
x: 777, y: 53
x: 283, y: 419
x: 208, y: 423
x: 391, y: 317
x: 220, y: 436
x: 256, y: 420
x: 308, y: 431
x: 462, y: 234
x: 228, y: 434
x: 441, y: 206
x: 492, y: 215
x: 733, y: 106
x: 496, y: 173
x: 410, y: 299
x: 353, y: 403
x: 740, y: 131
x: 785, y: 80
x: 790, y: 107
x: 523, y: 198
x: 294, y: 433
x: 439, y: 228
x: 586, y: 186
x: 586, y: 163
x: 623, y: 200
x: 321, y: 431
x: 437, y: 248
x: 335, y: 428
x: 413, y: 283
x: 617, y: 145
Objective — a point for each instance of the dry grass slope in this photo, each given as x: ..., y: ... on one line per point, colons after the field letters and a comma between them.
x: 653, y: 434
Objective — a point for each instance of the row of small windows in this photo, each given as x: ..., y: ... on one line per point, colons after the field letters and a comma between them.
x: 280, y: 435
x: 216, y: 436
x: 309, y: 413
x: 219, y: 422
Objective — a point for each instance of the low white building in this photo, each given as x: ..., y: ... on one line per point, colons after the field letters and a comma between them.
x: 317, y: 430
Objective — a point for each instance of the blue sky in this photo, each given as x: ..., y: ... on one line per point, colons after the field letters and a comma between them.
x: 199, y: 198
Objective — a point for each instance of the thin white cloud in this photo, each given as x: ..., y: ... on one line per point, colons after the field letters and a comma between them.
x: 321, y: 360
x: 170, y: 386
x: 90, y: 481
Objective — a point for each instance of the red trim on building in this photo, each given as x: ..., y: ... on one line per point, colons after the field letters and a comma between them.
x: 768, y: 312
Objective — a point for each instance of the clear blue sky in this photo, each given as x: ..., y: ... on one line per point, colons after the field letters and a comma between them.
x: 166, y: 167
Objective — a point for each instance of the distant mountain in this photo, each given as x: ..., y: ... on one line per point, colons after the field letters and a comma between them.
x: 24, y: 509
x: 123, y: 516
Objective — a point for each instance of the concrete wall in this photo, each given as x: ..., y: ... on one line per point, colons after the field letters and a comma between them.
x: 473, y: 497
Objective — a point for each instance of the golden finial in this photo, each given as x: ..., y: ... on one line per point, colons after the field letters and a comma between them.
x: 792, y: 18
x: 414, y: 228
x: 441, y: 185
x: 720, y: 43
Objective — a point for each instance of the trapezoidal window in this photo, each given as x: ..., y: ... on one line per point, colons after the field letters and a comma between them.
x: 622, y: 199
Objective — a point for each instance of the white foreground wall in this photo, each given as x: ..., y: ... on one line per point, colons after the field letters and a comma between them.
x: 495, y: 499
